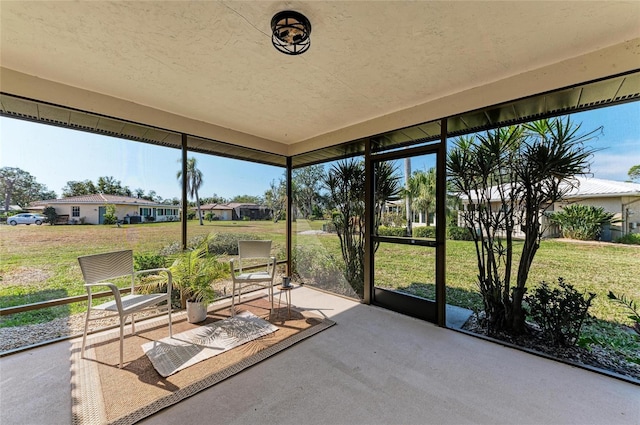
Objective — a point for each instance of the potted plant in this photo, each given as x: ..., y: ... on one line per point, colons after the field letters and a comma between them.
x: 193, y: 272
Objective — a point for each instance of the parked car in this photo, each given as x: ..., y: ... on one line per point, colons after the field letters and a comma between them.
x: 26, y: 218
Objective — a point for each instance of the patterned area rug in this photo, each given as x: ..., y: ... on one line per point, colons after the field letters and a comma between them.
x: 170, y: 355
x: 102, y: 393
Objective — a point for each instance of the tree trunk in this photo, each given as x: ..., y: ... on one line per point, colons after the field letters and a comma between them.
x: 198, y: 205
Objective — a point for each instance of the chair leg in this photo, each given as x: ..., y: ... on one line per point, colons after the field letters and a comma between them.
x: 133, y: 324
x: 84, y: 335
x: 170, y: 328
x: 271, y: 296
x: 122, y: 320
x: 233, y: 300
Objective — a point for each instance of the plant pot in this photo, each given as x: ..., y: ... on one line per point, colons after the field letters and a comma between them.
x: 196, y: 311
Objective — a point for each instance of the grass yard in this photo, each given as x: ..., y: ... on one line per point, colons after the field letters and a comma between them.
x: 39, y: 262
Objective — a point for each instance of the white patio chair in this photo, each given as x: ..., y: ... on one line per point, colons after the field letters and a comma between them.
x: 254, y: 250
x: 98, y: 269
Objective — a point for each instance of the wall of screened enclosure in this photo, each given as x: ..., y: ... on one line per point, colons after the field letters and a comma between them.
x: 39, y: 262
x: 327, y: 241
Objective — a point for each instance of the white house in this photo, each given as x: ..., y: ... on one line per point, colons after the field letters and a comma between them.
x: 90, y: 209
x: 619, y: 198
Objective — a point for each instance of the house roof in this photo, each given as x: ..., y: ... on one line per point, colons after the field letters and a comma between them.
x: 100, y: 198
x: 228, y: 206
x: 215, y: 207
x: 372, y: 67
x: 593, y: 188
x: 587, y: 187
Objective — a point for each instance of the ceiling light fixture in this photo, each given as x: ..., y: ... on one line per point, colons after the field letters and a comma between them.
x: 290, y: 32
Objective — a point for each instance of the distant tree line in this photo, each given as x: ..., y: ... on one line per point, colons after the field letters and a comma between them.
x: 19, y: 187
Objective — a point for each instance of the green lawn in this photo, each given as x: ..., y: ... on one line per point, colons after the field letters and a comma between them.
x: 39, y: 262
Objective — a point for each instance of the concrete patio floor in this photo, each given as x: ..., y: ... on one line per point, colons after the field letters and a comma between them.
x: 373, y: 367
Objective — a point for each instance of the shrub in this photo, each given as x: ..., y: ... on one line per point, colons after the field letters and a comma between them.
x: 630, y: 239
x: 146, y: 261
x: 314, y: 263
x: 51, y: 215
x: 191, y: 215
x: 392, y: 231
x: 459, y: 233
x: 110, y: 215
x: 393, y: 219
x: 583, y: 222
x: 560, y: 312
x: 210, y: 216
x: 149, y: 218
x: 424, y: 232
x: 227, y: 243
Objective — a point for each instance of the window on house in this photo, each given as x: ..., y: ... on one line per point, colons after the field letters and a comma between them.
x: 75, y: 211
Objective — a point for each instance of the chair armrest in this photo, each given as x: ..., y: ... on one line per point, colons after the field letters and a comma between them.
x: 113, y: 287
x: 273, y: 265
x: 232, y: 267
x: 114, y: 290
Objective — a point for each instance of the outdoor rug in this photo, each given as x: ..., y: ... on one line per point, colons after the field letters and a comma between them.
x: 102, y: 393
x: 169, y: 355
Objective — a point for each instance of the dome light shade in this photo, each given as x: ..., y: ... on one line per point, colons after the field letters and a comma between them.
x: 291, y: 32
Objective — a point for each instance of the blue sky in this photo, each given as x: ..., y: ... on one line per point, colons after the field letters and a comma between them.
x: 56, y: 155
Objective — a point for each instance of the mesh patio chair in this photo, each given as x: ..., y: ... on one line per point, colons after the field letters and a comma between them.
x: 98, y: 269
x: 253, y: 250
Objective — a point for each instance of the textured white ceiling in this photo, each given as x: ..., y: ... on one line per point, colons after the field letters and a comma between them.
x: 213, y: 62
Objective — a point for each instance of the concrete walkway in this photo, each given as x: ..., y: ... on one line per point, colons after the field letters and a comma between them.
x: 373, y: 367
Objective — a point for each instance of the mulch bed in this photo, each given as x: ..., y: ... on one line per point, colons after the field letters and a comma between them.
x: 596, y: 356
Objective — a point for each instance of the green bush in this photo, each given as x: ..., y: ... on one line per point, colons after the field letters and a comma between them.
x: 51, y: 215
x: 630, y: 239
x: 582, y: 222
x: 560, y: 312
x: 146, y: 261
x: 424, y: 232
x: 314, y: 263
x: 392, y: 231
x: 110, y: 215
x: 227, y: 243
x: 459, y: 233
x: 191, y: 215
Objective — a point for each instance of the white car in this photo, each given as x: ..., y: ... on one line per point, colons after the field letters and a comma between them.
x: 26, y: 218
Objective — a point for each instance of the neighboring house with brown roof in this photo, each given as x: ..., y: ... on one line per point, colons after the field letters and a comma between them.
x: 90, y: 209
x: 619, y: 198
x: 236, y: 211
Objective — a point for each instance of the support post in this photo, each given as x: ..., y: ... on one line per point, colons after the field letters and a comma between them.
x: 441, y: 225
x: 185, y: 204
x: 368, y: 224
x: 289, y: 217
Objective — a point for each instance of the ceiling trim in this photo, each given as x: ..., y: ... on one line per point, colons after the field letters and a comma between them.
x: 49, y: 92
x: 600, y: 93
x: 603, y: 63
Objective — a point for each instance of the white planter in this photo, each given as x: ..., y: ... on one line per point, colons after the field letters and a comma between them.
x: 196, y: 311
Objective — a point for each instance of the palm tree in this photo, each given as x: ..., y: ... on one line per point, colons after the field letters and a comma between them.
x: 422, y: 191
x: 194, y: 182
